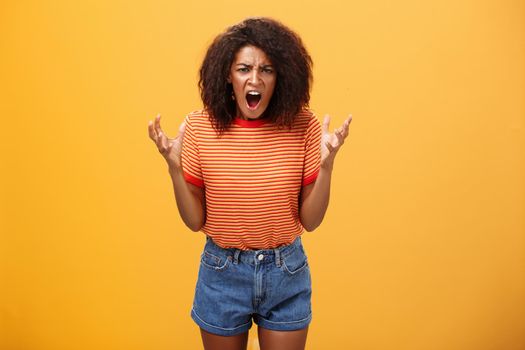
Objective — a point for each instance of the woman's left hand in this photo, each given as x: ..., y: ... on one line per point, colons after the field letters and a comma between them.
x: 330, y: 143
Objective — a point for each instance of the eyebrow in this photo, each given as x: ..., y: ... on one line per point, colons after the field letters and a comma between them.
x: 249, y: 65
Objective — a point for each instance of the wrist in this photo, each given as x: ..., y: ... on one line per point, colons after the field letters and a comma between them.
x: 327, y: 166
x: 174, y: 169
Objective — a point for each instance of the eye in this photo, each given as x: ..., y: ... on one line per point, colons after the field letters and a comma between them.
x: 268, y: 70
x: 243, y: 69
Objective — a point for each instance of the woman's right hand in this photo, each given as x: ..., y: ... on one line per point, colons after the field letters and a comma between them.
x: 170, y: 149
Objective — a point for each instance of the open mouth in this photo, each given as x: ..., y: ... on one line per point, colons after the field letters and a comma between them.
x: 253, y: 98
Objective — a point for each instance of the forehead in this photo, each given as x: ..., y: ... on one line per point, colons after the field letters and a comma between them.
x: 251, y: 54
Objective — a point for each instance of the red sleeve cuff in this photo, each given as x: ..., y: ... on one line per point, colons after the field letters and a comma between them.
x: 193, y: 180
x: 308, y: 180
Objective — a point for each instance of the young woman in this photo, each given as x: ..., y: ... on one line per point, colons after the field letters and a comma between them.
x: 252, y: 171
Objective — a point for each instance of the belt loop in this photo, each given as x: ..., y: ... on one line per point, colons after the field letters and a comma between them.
x: 277, y: 256
x: 236, y: 256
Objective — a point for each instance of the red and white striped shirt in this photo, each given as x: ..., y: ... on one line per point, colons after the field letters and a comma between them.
x: 252, y: 176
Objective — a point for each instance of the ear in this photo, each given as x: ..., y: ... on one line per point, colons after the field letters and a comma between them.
x: 229, y: 79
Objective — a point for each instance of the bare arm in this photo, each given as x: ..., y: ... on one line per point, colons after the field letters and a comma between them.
x: 316, y: 196
x: 190, y: 198
x: 314, y: 200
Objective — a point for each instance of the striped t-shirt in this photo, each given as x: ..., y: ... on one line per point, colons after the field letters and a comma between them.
x: 252, y: 176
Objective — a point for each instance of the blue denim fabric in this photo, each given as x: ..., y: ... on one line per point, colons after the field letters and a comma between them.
x: 271, y: 285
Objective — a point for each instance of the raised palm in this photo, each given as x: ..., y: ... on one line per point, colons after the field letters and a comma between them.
x: 170, y: 148
x: 331, y: 142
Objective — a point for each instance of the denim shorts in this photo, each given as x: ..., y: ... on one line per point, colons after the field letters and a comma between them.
x: 271, y: 285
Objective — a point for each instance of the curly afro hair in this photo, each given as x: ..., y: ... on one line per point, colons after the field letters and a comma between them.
x: 288, y: 55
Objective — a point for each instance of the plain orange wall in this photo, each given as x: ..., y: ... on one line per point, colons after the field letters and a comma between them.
x: 423, y: 245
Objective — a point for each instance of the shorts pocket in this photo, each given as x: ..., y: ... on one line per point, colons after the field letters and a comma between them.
x: 215, y: 262
x: 295, y: 262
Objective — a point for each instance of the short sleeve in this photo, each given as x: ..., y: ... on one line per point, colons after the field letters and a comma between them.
x: 191, y: 164
x: 312, y: 155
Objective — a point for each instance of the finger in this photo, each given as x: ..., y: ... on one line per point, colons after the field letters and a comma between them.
x: 346, y: 125
x: 326, y: 123
x: 163, y: 142
x: 344, y: 130
x: 157, y: 124
x: 151, y: 131
x: 348, y: 121
x: 340, y: 137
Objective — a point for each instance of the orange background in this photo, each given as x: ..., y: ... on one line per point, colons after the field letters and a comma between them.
x: 422, y: 247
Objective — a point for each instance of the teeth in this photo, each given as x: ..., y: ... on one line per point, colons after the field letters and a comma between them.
x: 253, y: 93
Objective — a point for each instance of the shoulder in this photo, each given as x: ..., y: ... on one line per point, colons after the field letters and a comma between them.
x: 308, y: 115
x: 307, y: 118
x: 197, y: 115
x: 198, y: 119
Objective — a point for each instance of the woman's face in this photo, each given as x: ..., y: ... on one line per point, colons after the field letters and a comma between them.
x: 253, y: 78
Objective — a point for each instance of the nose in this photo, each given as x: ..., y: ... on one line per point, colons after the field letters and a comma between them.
x: 254, y: 77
